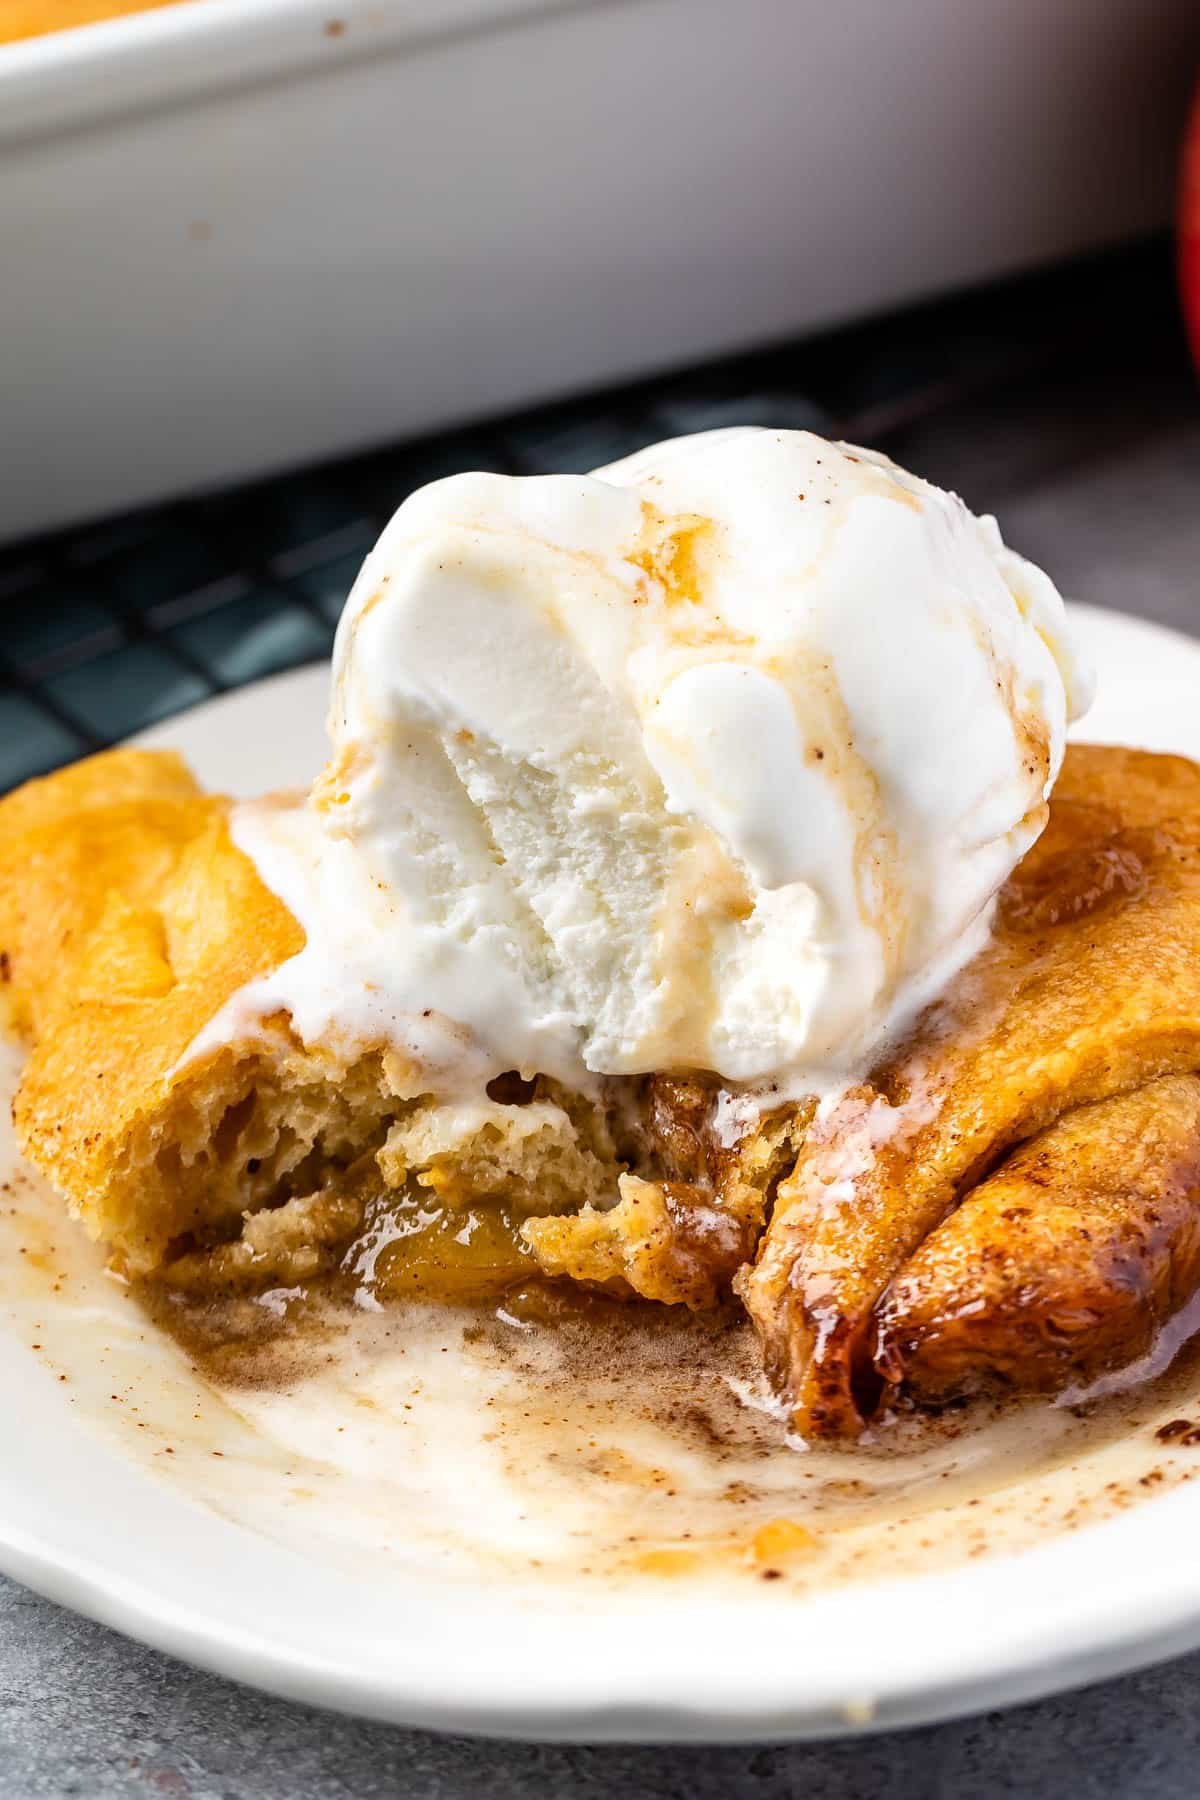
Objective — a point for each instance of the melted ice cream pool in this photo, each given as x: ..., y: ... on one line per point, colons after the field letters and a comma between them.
x: 714, y: 759
x: 613, y: 1449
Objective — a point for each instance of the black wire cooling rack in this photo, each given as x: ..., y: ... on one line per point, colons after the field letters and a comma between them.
x: 111, y: 628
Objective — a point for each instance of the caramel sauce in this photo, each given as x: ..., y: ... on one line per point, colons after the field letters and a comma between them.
x: 675, y: 551
x: 707, y: 893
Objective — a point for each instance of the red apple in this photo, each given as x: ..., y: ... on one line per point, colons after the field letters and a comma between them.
x: 1189, y: 230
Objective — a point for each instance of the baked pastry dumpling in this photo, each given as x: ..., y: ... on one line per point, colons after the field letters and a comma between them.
x: 129, y: 917
x: 914, y: 1245
x: 1010, y: 1203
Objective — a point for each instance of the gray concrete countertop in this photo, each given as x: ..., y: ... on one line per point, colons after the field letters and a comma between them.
x: 1103, y: 486
x: 84, y: 1713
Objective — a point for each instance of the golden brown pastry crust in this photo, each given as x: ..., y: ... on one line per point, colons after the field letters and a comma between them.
x: 127, y: 918
x: 1090, y: 989
x: 1064, y: 1265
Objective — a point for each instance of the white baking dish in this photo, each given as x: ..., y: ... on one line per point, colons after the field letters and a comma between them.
x: 241, y: 234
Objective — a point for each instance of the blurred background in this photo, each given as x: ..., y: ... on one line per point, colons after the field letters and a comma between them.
x: 267, y: 265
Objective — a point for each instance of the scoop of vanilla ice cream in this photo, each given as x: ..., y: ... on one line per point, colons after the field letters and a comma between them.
x: 714, y: 759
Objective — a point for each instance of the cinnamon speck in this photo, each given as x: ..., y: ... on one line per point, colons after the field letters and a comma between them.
x: 1174, y: 1428
x: 335, y: 28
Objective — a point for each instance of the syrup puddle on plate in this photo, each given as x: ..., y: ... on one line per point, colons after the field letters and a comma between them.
x: 610, y: 1445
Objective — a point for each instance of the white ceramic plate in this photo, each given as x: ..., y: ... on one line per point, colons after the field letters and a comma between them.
x: 244, y: 1531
